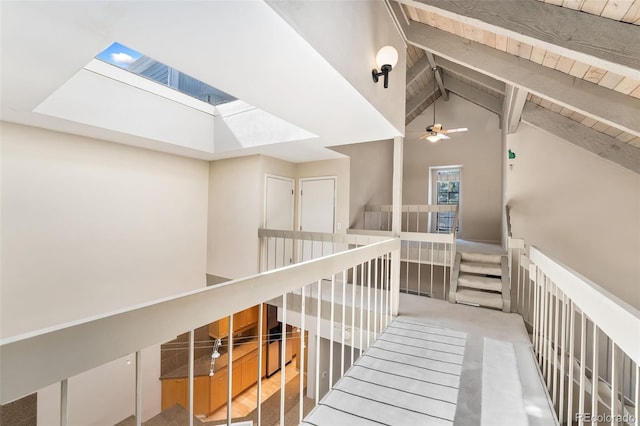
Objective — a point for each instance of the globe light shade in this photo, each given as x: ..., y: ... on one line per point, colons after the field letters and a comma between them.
x: 387, y: 55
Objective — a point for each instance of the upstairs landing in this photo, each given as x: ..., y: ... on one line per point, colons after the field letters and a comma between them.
x: 439, y: 363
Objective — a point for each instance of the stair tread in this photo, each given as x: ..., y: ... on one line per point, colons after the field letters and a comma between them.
x: 480, y: 282
x: 481, y: 257
x: 478, y: 297
x: 481, y: 268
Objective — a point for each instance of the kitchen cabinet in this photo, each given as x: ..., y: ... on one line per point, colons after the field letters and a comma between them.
x: 218, y: 389
x: 241, y: 321
x: 201, y: 390
x: 220, y: 328
x: 175, y: 391
x: 249, y: 369
x: 236, y: 378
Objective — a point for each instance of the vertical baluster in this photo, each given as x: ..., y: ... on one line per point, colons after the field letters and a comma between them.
x: 444, y: 270
x: 583, y: 350
x: 375, y: 298
x: 419, y: 267
x: 275, y: 253
x: 572, y: 324
x: 260, y: 355
x: 344, y: 314
x: 361, y: 305
x: 407, y: 264
x: 333, y: 290
x: 230, y: 370
x: 594, y: 373
x: 317, y: 354
x: 283, y: 358
x: 536, y: 308
x: 64, y: 402
x: 563, y: 350
x: 388, y: 290
x: 368, y: 302
x: 139, y: 388
x: 190, y: 378
x: 303, y: 313
x: 284, y: 252
x: 556, y: 331
x: 431, y: 271
x: 353, y: 310
x: 543, y: 324
x: 637, y: 400
x: 303, y: 310
x: 615, y: 409
x: 549, y: 338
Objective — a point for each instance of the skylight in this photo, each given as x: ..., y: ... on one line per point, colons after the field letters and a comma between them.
x: 137, y: 63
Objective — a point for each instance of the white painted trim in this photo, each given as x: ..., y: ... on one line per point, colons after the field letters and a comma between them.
x: 335, y: 196
x: 616, y: 318
x: 113, y: 72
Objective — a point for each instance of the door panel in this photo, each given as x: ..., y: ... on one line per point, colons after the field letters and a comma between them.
x: 317, y: 214
x: 278, y: 215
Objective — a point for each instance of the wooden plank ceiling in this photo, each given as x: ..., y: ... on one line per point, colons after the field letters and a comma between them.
x: 620, y: 10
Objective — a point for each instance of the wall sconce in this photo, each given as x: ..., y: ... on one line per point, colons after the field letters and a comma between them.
x: 386, y: 59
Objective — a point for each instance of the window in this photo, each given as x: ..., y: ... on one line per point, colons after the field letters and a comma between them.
x: 139, y: 64
x: 445, y: 190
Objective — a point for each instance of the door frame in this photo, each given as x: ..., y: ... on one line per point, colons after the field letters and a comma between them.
x: 266, y: 195
x: 335, y: 198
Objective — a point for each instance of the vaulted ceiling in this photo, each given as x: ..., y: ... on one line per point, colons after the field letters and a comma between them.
x: 570, y: 67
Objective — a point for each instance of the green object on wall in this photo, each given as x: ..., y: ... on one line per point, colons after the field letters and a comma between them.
x: 512, y: 155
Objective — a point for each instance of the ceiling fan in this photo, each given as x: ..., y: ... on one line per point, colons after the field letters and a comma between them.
x: 435, y: 132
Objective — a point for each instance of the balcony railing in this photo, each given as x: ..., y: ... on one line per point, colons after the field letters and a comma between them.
x: 587, y: 341
x: 428, y: 234
x: 362, y: 309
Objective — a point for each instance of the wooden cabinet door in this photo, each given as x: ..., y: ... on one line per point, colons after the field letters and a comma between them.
x: 201, y: 397
x: 249, y: 369
x: 220, y: 328
x: 218, y: 390
x: 174, y: 391
x: 237, y: 379
x: 252, y: 315
x: 239, y: 320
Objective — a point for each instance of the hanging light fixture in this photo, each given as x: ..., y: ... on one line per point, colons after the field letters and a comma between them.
x: 386, y: 59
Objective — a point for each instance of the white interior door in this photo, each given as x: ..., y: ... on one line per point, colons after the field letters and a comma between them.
x: 278, y: 215
x: 317, y: 209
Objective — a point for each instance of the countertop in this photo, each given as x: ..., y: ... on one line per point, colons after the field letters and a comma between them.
x: 201, y: 365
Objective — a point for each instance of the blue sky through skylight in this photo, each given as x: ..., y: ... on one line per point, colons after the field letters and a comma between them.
x: 119, y: 55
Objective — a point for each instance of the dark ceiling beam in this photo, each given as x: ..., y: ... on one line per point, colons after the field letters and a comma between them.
x: 604, y: 43
x: 591, y: 100
x: 624, y: 154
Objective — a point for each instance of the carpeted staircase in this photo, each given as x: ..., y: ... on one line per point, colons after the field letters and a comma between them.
x: 481, y: 279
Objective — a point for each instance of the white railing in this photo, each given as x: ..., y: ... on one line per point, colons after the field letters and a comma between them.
x: 587, y: 341
x: 35, y: 360
x: 428, y: 234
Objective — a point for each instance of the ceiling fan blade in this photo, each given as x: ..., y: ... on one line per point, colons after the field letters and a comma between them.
x: 460, y: 129
x: 443, y: 136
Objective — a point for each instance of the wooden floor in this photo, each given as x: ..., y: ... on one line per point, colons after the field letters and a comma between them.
x: 245, y: 403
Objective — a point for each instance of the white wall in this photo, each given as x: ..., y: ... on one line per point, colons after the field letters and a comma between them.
x: 577, y: 207
x: 371, y: 177
x: 89, y: 227
x: 106, y: 395
x: 478, y: 151
x: 235, y: 210
x: 348, y: 34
